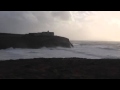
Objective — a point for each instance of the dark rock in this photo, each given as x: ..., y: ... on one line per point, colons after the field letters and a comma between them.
x: 32, y: 41
x: 60, y: 68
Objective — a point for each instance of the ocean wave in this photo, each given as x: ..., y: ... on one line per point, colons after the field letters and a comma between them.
x: 89, y: 51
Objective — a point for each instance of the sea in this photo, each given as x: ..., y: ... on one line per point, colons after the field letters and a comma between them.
x: 81, y: 49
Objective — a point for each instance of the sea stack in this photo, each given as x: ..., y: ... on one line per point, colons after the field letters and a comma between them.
x: 33, y: 40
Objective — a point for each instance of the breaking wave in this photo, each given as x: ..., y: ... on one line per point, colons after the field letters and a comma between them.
x: 90, y: 50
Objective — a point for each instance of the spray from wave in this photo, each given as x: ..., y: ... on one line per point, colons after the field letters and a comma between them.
x: 81, y: 49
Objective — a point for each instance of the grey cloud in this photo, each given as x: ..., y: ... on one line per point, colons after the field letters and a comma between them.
x: 82, y: 15
x: 30, y: 21
x: 37, y: 21
x: 64, y: 15
x: 24, y: 21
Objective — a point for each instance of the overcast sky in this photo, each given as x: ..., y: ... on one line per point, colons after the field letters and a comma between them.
x: 75, y: 25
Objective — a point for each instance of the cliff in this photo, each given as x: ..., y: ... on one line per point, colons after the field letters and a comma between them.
x: 31, y: 41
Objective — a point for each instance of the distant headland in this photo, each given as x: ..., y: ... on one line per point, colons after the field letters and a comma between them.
x: 33, y: 40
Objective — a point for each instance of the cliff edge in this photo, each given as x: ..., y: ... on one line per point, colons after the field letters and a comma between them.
x: 33, y: 40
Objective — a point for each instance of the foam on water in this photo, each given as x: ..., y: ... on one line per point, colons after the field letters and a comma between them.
x: 91, y: 50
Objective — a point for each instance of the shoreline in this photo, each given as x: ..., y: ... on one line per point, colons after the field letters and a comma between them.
x: 60, y: 68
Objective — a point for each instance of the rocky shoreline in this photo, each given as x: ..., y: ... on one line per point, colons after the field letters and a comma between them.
x: 60, y: 68
x: 33, y: 41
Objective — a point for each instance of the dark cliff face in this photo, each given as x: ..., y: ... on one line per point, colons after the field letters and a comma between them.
x: 27, y: 41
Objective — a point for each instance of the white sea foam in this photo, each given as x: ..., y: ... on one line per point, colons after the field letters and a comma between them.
x: 81, y: 50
